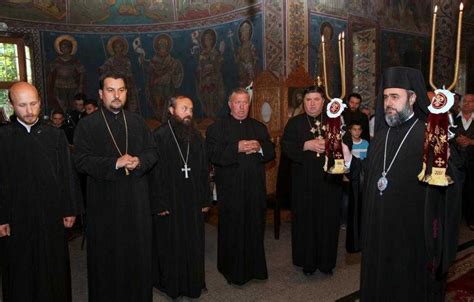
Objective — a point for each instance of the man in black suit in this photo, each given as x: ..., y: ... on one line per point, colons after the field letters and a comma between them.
x: 465, y: 143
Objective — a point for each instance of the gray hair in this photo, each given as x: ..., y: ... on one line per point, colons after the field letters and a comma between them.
x: 238, y: 90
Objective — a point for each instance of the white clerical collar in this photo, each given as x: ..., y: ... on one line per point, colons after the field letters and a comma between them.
x: 27, y: 127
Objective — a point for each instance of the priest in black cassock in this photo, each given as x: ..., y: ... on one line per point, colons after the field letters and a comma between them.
x: 239, y: 147
x: 315, y: 194
x: 409, y: 228
x: 115, y: 149
x: 180, y: 187
x: 39, y: 197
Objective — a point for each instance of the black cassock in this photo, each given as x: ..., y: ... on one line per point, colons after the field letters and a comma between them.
x: 178, y: 238
x: 37, y: 189
x: 315, y: 201
x: 409, y: 234
x: 118, y: 207
x: 241, y: 192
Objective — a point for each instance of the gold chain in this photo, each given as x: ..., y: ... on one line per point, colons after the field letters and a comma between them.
x: 113, y: 138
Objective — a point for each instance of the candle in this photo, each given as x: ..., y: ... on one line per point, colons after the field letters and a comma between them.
x: 433, y: 37
x: 458, y: 48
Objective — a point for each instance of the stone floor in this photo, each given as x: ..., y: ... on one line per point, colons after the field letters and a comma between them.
x: 285, y: 283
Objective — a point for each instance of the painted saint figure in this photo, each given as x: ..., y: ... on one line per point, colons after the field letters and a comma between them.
x: 66, y: 74
x: 210, y: 83
x: 118, y: 62
x: 246, y: 56
x: 165, y: 74
x: 327, y: 32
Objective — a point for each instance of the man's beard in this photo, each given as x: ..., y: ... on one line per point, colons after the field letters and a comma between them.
x: 183, y: 128
x: 399, y: 117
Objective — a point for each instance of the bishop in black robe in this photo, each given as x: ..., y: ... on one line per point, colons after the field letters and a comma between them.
x: 38, y: 189
x: 315, y: 195
x: 182, y: 198
x: 409, y: 229
x: 118, y: 220
x: 241, y: 192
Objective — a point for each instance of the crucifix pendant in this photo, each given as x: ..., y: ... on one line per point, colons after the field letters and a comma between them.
x: 185, y: 170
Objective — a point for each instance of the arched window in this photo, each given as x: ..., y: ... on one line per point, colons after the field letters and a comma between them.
x: 15, y: 65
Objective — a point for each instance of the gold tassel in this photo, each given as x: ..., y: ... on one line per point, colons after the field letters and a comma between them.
x: 438, y: 177
x: 325, y: 167
x: 338, y: 167
x: 421, y: 176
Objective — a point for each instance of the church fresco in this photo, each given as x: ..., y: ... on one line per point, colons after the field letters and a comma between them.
x: 39, y: 10
x: 196, y: 9
x: 330, y: 28
x: 332, y: 7
x: 410, y: 15
x: 65, y: 74
x: 163, y: 73
x: 121, y: 11
x: 201, y: 63
x: 401, y: 49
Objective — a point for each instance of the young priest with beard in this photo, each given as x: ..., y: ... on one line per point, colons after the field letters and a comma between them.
x: 179, y: 186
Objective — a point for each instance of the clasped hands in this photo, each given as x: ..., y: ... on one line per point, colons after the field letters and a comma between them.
x: 67, y: 221
x: 165, y: 213
x: 128, y: 162
x: 464, y: 141
x: 249, y: 146
x: 317, y: 145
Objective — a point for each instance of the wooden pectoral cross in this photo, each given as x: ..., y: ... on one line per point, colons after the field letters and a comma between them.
x: 186, y: 170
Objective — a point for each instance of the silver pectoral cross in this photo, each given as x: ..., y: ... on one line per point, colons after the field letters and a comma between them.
x: 185, y: 170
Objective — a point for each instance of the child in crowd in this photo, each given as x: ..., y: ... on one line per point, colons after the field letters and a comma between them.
x: 359, y: 145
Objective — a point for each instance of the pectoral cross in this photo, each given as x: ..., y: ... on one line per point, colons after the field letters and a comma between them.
x: 185, y: 170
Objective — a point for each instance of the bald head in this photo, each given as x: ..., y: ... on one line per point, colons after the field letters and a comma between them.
x: 26, y: 102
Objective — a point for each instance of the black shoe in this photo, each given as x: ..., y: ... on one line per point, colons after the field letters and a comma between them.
x: 308, y: 272
x: 328, y: 272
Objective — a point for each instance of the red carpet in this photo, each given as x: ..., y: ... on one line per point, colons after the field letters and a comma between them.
x: 461, y: 280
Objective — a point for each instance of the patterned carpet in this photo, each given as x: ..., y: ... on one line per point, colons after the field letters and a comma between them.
x: 461, y: 279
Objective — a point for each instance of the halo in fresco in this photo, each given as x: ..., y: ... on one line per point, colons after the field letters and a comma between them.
x: 245, y: 26
x: 209, y: 32
x: 110, y: 43
x: 163, y: 40
x: 69, y: 38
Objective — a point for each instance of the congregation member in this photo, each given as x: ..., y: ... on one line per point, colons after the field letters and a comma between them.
x: 239, y: 146
x: 115, y: 149
x: 405, y: 255
x: 359, y: 145
x: 465, y: 144
x: 354, y: 113
x: 58, y: 121
x: 78, y: 110
x: 180, y: 187
x: 90, y: 106
x: 314, y: 195
x: 39, y: 198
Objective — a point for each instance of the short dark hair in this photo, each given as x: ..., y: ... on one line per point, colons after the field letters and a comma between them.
x: 354, y: 95
x: 57, y: 111
x: 314, y: 89
x: 91, y: 102
x: 354, y: 123
x: 80, y: 96
x: 113, y: 75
